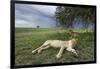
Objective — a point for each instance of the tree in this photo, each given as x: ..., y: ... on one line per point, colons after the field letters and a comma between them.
x: 38, y: 26
x: 65, y: 15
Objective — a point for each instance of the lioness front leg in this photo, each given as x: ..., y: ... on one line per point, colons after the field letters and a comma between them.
x: 60, y: 52
x: 72, y: 50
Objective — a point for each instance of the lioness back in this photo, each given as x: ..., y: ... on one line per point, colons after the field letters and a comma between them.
x: 57, y: 43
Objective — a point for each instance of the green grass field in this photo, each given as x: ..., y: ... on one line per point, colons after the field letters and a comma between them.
x: 27, y: 40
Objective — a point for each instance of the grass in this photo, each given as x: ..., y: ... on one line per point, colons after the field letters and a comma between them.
x: 27, y: 40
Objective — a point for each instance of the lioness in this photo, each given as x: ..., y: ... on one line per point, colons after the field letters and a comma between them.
x: 68, y: 45
x: 73, y: 33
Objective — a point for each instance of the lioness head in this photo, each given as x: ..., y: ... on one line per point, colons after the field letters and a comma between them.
x: 74, y: 41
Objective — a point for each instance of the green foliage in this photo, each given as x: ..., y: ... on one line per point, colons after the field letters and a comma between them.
x: 65, y: 15
x: 27, y: 40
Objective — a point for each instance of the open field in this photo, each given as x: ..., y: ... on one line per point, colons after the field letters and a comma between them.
x: 27, y: 40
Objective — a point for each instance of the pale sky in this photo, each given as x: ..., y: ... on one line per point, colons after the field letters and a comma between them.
x: 30, y: 16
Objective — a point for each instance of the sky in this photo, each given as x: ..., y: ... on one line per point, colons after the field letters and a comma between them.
x: 29, y: 16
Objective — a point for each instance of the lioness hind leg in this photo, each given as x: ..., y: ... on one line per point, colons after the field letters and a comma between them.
x: 39, y: 51
x: 45, y: 44
x: 34, y: 51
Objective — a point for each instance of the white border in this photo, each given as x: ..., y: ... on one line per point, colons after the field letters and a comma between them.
x: 5, y: 34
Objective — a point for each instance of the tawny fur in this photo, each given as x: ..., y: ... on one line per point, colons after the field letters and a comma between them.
x: 68, y: 45
x: 73, y: 33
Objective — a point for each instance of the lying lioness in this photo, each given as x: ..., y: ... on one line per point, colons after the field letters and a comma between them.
x: 68, y: 45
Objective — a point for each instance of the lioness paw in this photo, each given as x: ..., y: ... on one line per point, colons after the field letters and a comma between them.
x: 58, y: 56
x: 33, y: 51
